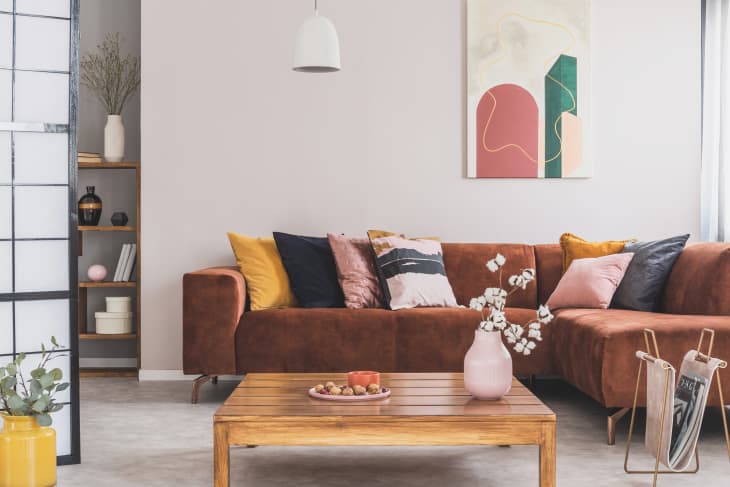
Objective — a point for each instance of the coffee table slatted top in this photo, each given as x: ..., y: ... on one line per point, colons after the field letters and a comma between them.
x: 278, y: 396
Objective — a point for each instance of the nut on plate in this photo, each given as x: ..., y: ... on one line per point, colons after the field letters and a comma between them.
x: 329, y: 385
x: 359, y: 390
x: 335, y: 391
x: 373, y: 388
x: 318, y: 388
x: 347, y: 391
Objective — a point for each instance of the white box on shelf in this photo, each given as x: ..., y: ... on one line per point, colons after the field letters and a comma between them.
x: 113, y: 323
x: 118, y: 304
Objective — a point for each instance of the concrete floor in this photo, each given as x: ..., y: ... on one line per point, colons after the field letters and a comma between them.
x: 148, y: 434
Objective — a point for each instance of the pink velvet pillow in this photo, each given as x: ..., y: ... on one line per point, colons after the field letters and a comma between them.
x: 590, y: 283
x: 356, y: 271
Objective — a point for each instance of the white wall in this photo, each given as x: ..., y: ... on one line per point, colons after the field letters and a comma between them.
x: 234, y: 140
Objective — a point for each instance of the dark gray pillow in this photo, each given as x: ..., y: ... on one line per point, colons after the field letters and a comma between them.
x: 648, y: 271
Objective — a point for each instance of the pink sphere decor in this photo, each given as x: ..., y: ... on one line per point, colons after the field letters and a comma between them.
x: 96, y: 272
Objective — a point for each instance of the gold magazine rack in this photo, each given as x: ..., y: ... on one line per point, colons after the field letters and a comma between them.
x: 706, y: 358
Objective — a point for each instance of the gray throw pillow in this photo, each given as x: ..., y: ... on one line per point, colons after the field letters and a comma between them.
x: 644, y: 280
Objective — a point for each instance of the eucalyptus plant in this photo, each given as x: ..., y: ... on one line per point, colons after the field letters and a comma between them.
x: 111, y: 77
x: 35, y: 396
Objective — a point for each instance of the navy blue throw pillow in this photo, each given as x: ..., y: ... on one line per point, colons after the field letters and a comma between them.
x: 648, y: 271
x: 310, y: 265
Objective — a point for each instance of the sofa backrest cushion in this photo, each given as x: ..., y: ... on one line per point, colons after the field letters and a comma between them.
x: 549, y: 260
x: 700, y: 281
x: 466, y: 268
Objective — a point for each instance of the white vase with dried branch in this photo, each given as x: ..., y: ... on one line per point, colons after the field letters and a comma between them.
x: 113, y: 79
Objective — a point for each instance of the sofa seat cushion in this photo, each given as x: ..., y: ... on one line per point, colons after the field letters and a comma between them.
x: 316, y: 340
x: 340, y: 340
x: 595, y: 349
x: 436, y: 340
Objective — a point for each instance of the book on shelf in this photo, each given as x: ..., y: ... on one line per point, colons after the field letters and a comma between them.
x: 123, y: 255
x: 129, y: 265
x: 89, y: 157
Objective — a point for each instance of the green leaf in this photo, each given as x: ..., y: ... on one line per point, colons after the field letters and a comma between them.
x: 43, y: 350
x: 57, y: 374
x: 38, y: 373
x: 54, y: 342
x: 35, y: 387
x: 44, y: 419
x: 62, y: 387
x: 8, y: 382
x: 15, y: 402
x: 19, y: 359
x: 40, y: 405
x: 46, y: 380
x: 54, y: 408
x: 12, y: 369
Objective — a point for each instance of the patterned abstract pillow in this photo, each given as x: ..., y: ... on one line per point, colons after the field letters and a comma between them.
x: 411, y: 271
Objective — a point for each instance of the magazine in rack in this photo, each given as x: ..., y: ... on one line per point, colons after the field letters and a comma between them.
x: 687, y: 418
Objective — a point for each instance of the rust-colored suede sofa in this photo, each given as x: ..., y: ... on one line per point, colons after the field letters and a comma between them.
x: 591, y: 349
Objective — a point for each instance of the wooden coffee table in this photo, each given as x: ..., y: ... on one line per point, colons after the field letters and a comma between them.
x: 424, y: 409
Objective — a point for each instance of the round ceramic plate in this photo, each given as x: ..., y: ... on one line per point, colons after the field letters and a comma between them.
x: 370, y: 397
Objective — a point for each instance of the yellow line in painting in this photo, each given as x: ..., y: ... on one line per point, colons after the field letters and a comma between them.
x: 498, y: 149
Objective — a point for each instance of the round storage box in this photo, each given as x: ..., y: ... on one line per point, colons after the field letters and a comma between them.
x: 119, y: 304
x: 113, y: 323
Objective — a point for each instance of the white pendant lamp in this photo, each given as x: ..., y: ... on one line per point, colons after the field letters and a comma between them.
x: 318, y: 48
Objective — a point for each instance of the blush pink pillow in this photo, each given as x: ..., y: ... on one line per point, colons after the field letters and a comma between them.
x: 356, y: 271
x: 590, y: 283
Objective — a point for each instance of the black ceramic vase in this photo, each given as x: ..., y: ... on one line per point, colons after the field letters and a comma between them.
x: 119, y: 219
x: 89, y: 208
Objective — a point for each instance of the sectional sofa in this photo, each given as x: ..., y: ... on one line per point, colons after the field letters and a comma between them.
x: 589, y: 348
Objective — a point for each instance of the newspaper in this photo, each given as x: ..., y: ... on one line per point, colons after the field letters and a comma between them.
x: 687, y: 417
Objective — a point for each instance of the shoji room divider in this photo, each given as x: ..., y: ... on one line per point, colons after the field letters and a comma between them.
x: 38, y: 173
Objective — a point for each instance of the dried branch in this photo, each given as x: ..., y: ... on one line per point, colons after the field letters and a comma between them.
x: 110, y: 77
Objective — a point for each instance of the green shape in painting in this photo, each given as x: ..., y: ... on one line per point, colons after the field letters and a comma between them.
x: 561, y: 95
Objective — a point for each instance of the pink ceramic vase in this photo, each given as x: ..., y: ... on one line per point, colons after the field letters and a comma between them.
x: 487, y: 366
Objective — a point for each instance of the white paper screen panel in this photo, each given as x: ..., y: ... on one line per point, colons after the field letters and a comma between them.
x: 5, y: 159
x: 6, y: 95
x: 38, y: 321
x: 42, y: 44
x: 6, y: 331
x: 41, y: 97
x: 6, y: 40
x: 51, y: 8
x: 6, y: 212
x: 40, y: 158
x: 41, y: 266
x: 6, y: 5
x: 6, y: 267
x: 42, y: 212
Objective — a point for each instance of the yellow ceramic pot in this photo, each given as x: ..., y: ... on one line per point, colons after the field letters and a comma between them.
x: 27, y: 453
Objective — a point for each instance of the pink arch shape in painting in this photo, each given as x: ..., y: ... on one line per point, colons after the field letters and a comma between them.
x: 507, y: 133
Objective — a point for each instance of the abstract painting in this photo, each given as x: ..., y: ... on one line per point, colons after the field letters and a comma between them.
x: 528, y: 88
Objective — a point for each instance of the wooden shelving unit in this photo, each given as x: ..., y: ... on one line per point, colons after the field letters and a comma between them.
x: 84, y: 286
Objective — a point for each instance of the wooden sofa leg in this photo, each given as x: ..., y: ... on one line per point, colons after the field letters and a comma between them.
x: 197, y: 383
x: 613, y: 420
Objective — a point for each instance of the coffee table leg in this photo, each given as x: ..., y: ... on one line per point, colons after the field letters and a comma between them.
x: 221, y: 456
x: 547, y: 456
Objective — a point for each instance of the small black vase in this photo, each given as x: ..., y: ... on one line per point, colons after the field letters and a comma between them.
x: 119, y: 219
x: 89, y: 208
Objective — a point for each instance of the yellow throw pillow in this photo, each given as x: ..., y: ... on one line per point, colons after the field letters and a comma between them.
x: 261, y: 266
x: 577, y: 248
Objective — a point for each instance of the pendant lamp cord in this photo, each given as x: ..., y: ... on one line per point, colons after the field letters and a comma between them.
x: 315, y: 5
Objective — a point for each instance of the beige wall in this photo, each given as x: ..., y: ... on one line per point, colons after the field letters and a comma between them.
x: 234, y: 140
